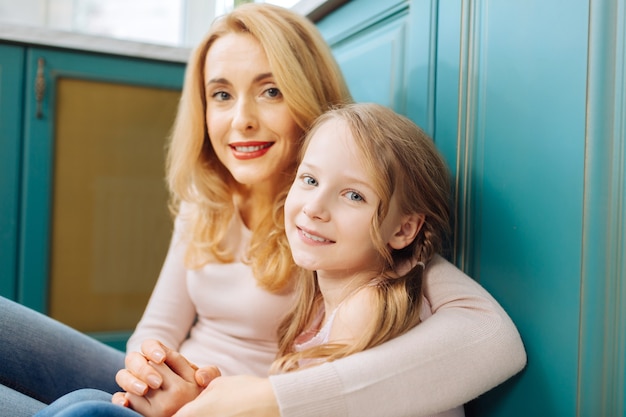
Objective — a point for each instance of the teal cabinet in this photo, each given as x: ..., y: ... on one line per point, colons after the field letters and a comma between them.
x: 527, y: 102
x: 85, y: 225
x: 385, y: 52
x: 11, y: 84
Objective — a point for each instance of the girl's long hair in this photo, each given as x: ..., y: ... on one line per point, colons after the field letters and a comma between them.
x: 403, y: 163
x: 310, y: 81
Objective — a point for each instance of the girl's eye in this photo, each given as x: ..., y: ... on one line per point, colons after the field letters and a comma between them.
x: 308, y: 180
x: 221, y: 95
x: 354, y: 196
x: 273, y: 92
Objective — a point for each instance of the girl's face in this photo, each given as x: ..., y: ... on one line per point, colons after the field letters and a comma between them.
x: 330, y: 207
x: 248, y: 121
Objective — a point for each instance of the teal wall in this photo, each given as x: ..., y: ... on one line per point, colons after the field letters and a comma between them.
x: 527, y: 102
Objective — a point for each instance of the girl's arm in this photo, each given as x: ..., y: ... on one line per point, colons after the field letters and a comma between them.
x: 468, y: 346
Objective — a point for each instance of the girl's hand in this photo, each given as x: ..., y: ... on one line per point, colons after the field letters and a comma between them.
x: 243, y: 396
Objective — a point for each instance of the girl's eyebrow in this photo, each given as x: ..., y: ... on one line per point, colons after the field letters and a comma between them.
x: 222, y: 80
x: 348, y: 178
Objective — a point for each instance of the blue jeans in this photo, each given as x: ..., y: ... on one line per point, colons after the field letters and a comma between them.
x: 42, y: 359
x: 86, y: 403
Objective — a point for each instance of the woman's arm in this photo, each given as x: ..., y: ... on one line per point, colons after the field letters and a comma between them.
x: 165, y: 324
x: 468, y: 346
x: 170, y: 312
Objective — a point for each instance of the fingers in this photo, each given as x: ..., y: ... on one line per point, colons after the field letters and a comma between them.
x: 119, y: 398
x: 154, y: 350
x: 138, y: 375
x: 158, y: 353
x: 180, y: 365
x: 173, y: 394
x: 205, y: 375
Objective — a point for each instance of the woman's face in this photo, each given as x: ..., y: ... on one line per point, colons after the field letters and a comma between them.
x: 248, y: 121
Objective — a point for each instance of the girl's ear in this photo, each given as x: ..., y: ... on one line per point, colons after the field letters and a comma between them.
x: 409, y: 227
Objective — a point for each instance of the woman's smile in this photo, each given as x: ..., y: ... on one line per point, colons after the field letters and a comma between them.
x: 250, y: 150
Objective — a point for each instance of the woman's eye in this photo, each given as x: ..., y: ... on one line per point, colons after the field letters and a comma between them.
x: 354, y: 196
x: 309, y: 180
x: 221, y: 95
x: 273, y: 92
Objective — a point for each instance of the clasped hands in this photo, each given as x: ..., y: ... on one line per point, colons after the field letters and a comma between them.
x: 160, y: 382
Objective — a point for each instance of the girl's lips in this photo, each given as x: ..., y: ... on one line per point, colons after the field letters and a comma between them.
x: 250, y: 150
x: 312, y: 237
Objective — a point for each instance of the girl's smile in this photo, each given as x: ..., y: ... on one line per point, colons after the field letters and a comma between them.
x: 310, y: 237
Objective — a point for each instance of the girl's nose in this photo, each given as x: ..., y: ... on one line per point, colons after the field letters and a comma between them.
x: 316, y: 209
x: 245, y: 116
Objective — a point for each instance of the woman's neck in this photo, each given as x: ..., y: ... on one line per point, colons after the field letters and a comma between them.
x: 253, y: 202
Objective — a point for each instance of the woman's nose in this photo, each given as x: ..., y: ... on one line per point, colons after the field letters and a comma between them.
x: 245, y: 116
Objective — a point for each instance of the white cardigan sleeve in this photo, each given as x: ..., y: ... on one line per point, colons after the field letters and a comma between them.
x: 468, y: 346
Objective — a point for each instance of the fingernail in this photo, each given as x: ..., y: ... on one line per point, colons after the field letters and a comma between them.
x: 154, y: 381
x: 202, y: 377
x: 158, y: 356
x: 140, y: 388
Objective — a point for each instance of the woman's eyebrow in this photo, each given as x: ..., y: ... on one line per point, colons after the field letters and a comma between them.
x: 218, y: 81
x: 222, y: 80
x: 263, y: 76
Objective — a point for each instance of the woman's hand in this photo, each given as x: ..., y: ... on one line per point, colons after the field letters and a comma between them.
x: 234, y: 396
x: 160, y: 381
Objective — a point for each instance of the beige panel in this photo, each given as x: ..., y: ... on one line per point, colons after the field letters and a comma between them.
x: 110, y: 224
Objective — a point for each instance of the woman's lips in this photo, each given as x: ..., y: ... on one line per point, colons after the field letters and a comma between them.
x: 250, y: 150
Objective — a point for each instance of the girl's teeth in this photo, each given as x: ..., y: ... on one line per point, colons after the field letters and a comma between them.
x: 315, y: 238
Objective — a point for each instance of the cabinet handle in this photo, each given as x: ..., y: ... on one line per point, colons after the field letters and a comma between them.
x: 40, y: 87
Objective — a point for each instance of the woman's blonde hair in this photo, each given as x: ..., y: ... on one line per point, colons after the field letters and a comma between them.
x: 403, y: 163
x: 310, y: 81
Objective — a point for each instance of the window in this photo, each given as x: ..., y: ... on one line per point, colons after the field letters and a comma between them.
x: 164, y: 22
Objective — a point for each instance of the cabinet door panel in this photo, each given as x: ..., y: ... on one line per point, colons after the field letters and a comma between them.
x: 95, y: 221
x: 369, y: 41
x: 372, y: 62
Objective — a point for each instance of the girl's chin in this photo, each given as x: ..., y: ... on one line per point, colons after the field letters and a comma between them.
x: 306, y: 263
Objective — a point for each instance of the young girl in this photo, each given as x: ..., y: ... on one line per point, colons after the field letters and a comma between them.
x: 370, y: 196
